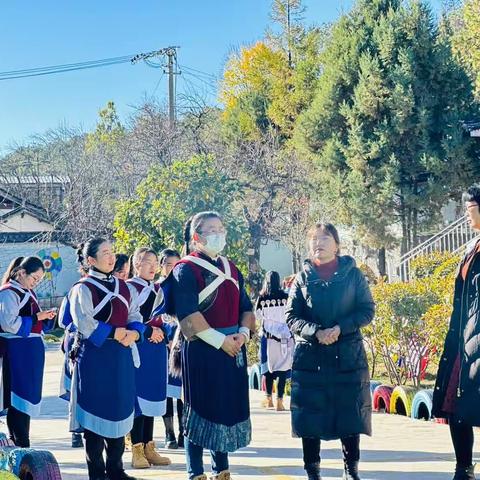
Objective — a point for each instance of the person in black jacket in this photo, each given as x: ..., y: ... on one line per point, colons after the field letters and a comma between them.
x: 328, y: 304
x: 457, y: 390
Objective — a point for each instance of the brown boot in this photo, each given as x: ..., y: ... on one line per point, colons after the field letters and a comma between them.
x: 225, y: 475
x: 267, y: 402
x: 200, y: 477
x: 138, y: 456
x: 280, y: 407
x: 128, y: 442
x: 153, y: 456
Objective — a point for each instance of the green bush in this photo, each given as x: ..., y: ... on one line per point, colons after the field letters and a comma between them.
x: 425, y: 265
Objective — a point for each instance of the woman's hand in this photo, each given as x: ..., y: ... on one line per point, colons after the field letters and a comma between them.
x: 157, y: 335
x: 240, y: 339
x: 328, y: 336
x: 119, y: 334
x: 130, y: 338
x: 46, y: 315
x: 230, y: 345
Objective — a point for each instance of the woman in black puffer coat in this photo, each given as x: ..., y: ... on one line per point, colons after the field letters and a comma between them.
x: 328, y: 304
x: 457, y: 389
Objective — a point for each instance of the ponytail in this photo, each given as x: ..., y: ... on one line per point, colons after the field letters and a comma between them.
x: 187, y: 237
x: 29, y: 264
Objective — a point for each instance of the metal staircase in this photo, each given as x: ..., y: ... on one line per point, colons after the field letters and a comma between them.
x: 452, y: 238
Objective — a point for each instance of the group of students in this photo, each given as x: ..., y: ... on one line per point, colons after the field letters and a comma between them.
x: 119, y: 330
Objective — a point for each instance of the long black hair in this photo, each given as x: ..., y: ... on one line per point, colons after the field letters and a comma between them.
x: 29, y: 264
x: 89, y: 249
x: 271, y: 284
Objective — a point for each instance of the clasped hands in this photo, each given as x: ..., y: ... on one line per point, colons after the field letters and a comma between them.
x: 233, y: 344
x: 126, y: 337
x: 328, y: 336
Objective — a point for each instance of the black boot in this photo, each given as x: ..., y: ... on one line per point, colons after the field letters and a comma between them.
x: 121, y: 475
x: 77, y: 440
x: 181, y: 441
x: 170, y: 440
x: 350, y: 471
x: 464, y: 473
x: 313, y: 471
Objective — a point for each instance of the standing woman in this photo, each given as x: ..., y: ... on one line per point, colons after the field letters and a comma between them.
x: 168, y: 259
x: 216, y: 319
x: 276, y: 342
x: 457, y: 389
x: 122, y: 266
x: 108, y: 321
x: 151, y: 375
x: 329, y: 302
x: 65, y: 321
x: 22, y: 346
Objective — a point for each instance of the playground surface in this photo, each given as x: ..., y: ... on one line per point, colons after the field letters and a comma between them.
x: 400, y: 449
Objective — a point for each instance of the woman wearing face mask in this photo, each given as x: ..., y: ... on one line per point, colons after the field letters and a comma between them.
x: 168, y: 259
x: 21, y: 324
x: 328, y: 304
x: 216, y: 319
x: 108, y: 322
x: 151, y: 375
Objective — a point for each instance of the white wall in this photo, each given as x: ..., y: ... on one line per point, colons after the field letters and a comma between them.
x: 24, y: 223
x: 276, y: 256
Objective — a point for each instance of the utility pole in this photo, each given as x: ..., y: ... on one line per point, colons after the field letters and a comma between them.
x: 171, y: 53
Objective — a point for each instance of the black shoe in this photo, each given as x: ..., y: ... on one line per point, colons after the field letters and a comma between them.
x: 464, y: 473
x: 351, y: 471
x: 77, y: 440
x: 313, y: 471
x: 120, y: 476
x: 181, y: 441
x: 170, y: 440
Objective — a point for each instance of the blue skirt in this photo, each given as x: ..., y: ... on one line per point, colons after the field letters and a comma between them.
x: 23, y: 364
x: 216, y: 412
x: 151, y: 379
x: 104, y: 382
x: 66, y: 379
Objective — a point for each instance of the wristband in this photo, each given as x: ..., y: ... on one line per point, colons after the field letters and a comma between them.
x: 212, y: 337
x: 246, y: 332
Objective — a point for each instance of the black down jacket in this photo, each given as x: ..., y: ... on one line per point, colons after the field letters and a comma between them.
x: 330, y: 384
x: 463, y: 338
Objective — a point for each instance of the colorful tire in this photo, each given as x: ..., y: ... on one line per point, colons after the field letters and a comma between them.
x: 31, y: 464
x: 381, y: 398
x: 373, y: 385
x: 401, y: 400
x: 5, y: 441
x: 422, y: 405
x: 254, y: 378
x: 7, y: 476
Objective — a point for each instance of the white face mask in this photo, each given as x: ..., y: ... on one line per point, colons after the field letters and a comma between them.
x: 215, y: 243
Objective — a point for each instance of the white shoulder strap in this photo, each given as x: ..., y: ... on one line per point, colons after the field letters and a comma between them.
x: 221, y: 276
x: 109, y: 295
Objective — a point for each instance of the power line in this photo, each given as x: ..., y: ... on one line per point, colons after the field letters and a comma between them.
x: 70, y: 67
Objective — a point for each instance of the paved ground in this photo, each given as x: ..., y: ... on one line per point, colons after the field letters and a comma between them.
x: 400, y: 449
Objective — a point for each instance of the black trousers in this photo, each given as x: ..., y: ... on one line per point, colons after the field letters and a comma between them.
x: 282, y: 380
x: 462, y: 439
x: 94, y: 447
x: 169, y: 412
x: 350, y: 449
x: 18, y: 424
x: 142, y: 431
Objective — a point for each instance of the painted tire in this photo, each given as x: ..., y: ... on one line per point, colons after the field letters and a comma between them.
x: 254, y: 378
x: 5, y: 441
x: 7, y: 476
x: 422, y: 405
x: 401, y: 400
x: 381, y: 398
x: 31, y: 464
x: 373, y: 385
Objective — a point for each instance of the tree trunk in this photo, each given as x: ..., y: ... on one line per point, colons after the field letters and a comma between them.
x: 254, y: 278
x: 382, y: 262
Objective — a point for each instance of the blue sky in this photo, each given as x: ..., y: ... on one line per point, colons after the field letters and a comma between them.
x: 38, y: 33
